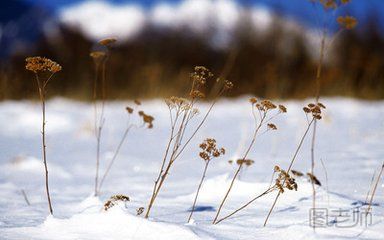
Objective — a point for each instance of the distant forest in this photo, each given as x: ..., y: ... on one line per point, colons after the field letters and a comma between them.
x: 275, y: 64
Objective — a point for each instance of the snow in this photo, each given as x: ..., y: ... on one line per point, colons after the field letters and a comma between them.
x: 349, y: 143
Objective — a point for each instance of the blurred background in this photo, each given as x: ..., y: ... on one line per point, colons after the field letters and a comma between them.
x: 268, y: 48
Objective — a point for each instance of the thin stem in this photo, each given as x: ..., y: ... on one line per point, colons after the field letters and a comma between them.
x: 270, y: 189
x: 41, y: 87
x: 114, y: 156
x: 240, y: 165
x: 198, y: 190
x: 100, y: 128
x: 25, y: 197
x: 370, y: 186
x: 374, y: 189
x: 289, y: 168
x: 318, y: 85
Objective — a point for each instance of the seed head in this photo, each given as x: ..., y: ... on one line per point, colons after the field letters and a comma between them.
x: 42, y: 64
x: 107, y: 41
x: 347, y: 22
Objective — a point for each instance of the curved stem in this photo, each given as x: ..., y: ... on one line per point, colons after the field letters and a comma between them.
x: 198, y: 190
x: 240, y: 165
x: 270, y: 189
x: 114, y: 156
x: 289, y: 168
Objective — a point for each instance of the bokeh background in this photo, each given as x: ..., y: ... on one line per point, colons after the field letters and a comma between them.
x: 268, y: 48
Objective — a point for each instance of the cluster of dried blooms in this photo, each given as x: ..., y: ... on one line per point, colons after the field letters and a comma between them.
x: 347, y: 22
x: 210, y: 150
x: 147, y: 119
x: 181, y: 112
x: 246, y: 162
x: 314, y: 109
x: 284, y: 180
x: 42, y: 64
x: 114, y: 200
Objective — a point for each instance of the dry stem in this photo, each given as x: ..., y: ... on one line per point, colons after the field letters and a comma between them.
x: 374, y: 189
x: 241, y: 164
x: 42, y: 93
x: 198, y: 190
x: 289, y: 168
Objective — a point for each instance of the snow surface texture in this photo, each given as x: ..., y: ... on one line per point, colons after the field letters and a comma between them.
x: 349, y: 143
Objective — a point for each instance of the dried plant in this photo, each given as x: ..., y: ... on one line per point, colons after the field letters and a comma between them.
x: 181, y: 112
x: 114, y: 200
x: 267, y: 111
x: 374, y: 189
x: 283, y: 181
x: 313, y: 113
x: 209, y: 151
x: 345, y: 22
x: 100, y: 59
x: 44, y: 69
x: 147, y: 122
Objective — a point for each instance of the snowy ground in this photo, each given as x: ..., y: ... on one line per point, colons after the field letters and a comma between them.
x: 350, y: 143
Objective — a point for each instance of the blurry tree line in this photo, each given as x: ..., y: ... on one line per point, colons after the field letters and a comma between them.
x: 275, y: 64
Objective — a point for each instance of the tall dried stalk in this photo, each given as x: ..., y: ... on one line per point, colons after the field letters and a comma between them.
x: 43, y: 66
x: 182, y: 111
x: 318, y: 77
x: 263, y: 109
x: 347, y: 22
x: 100, y: 58
x: 315, y: 111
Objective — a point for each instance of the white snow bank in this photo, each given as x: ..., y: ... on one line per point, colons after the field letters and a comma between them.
x: 95, y: 223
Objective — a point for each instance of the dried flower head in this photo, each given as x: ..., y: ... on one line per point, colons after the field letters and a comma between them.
x: 178, y: 103
x: 347, y: 22
x: 284, y: 180
x: 271, y: 126
x: 107, y: 41
x: 253, y: 100
x: 137, y: 102
x: 313, y: 179
x: 98, y: 56
x: 147, y: 119
x: 129, y: 110
x: 42, y: 64
x: 297, y: 173
x: 329, y: 4
x: 247, y: 162
x: 210, y: 150
x: 115, y: 199
x: 282, y: 109
x: 228, y: 84
x: 314, y: 109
